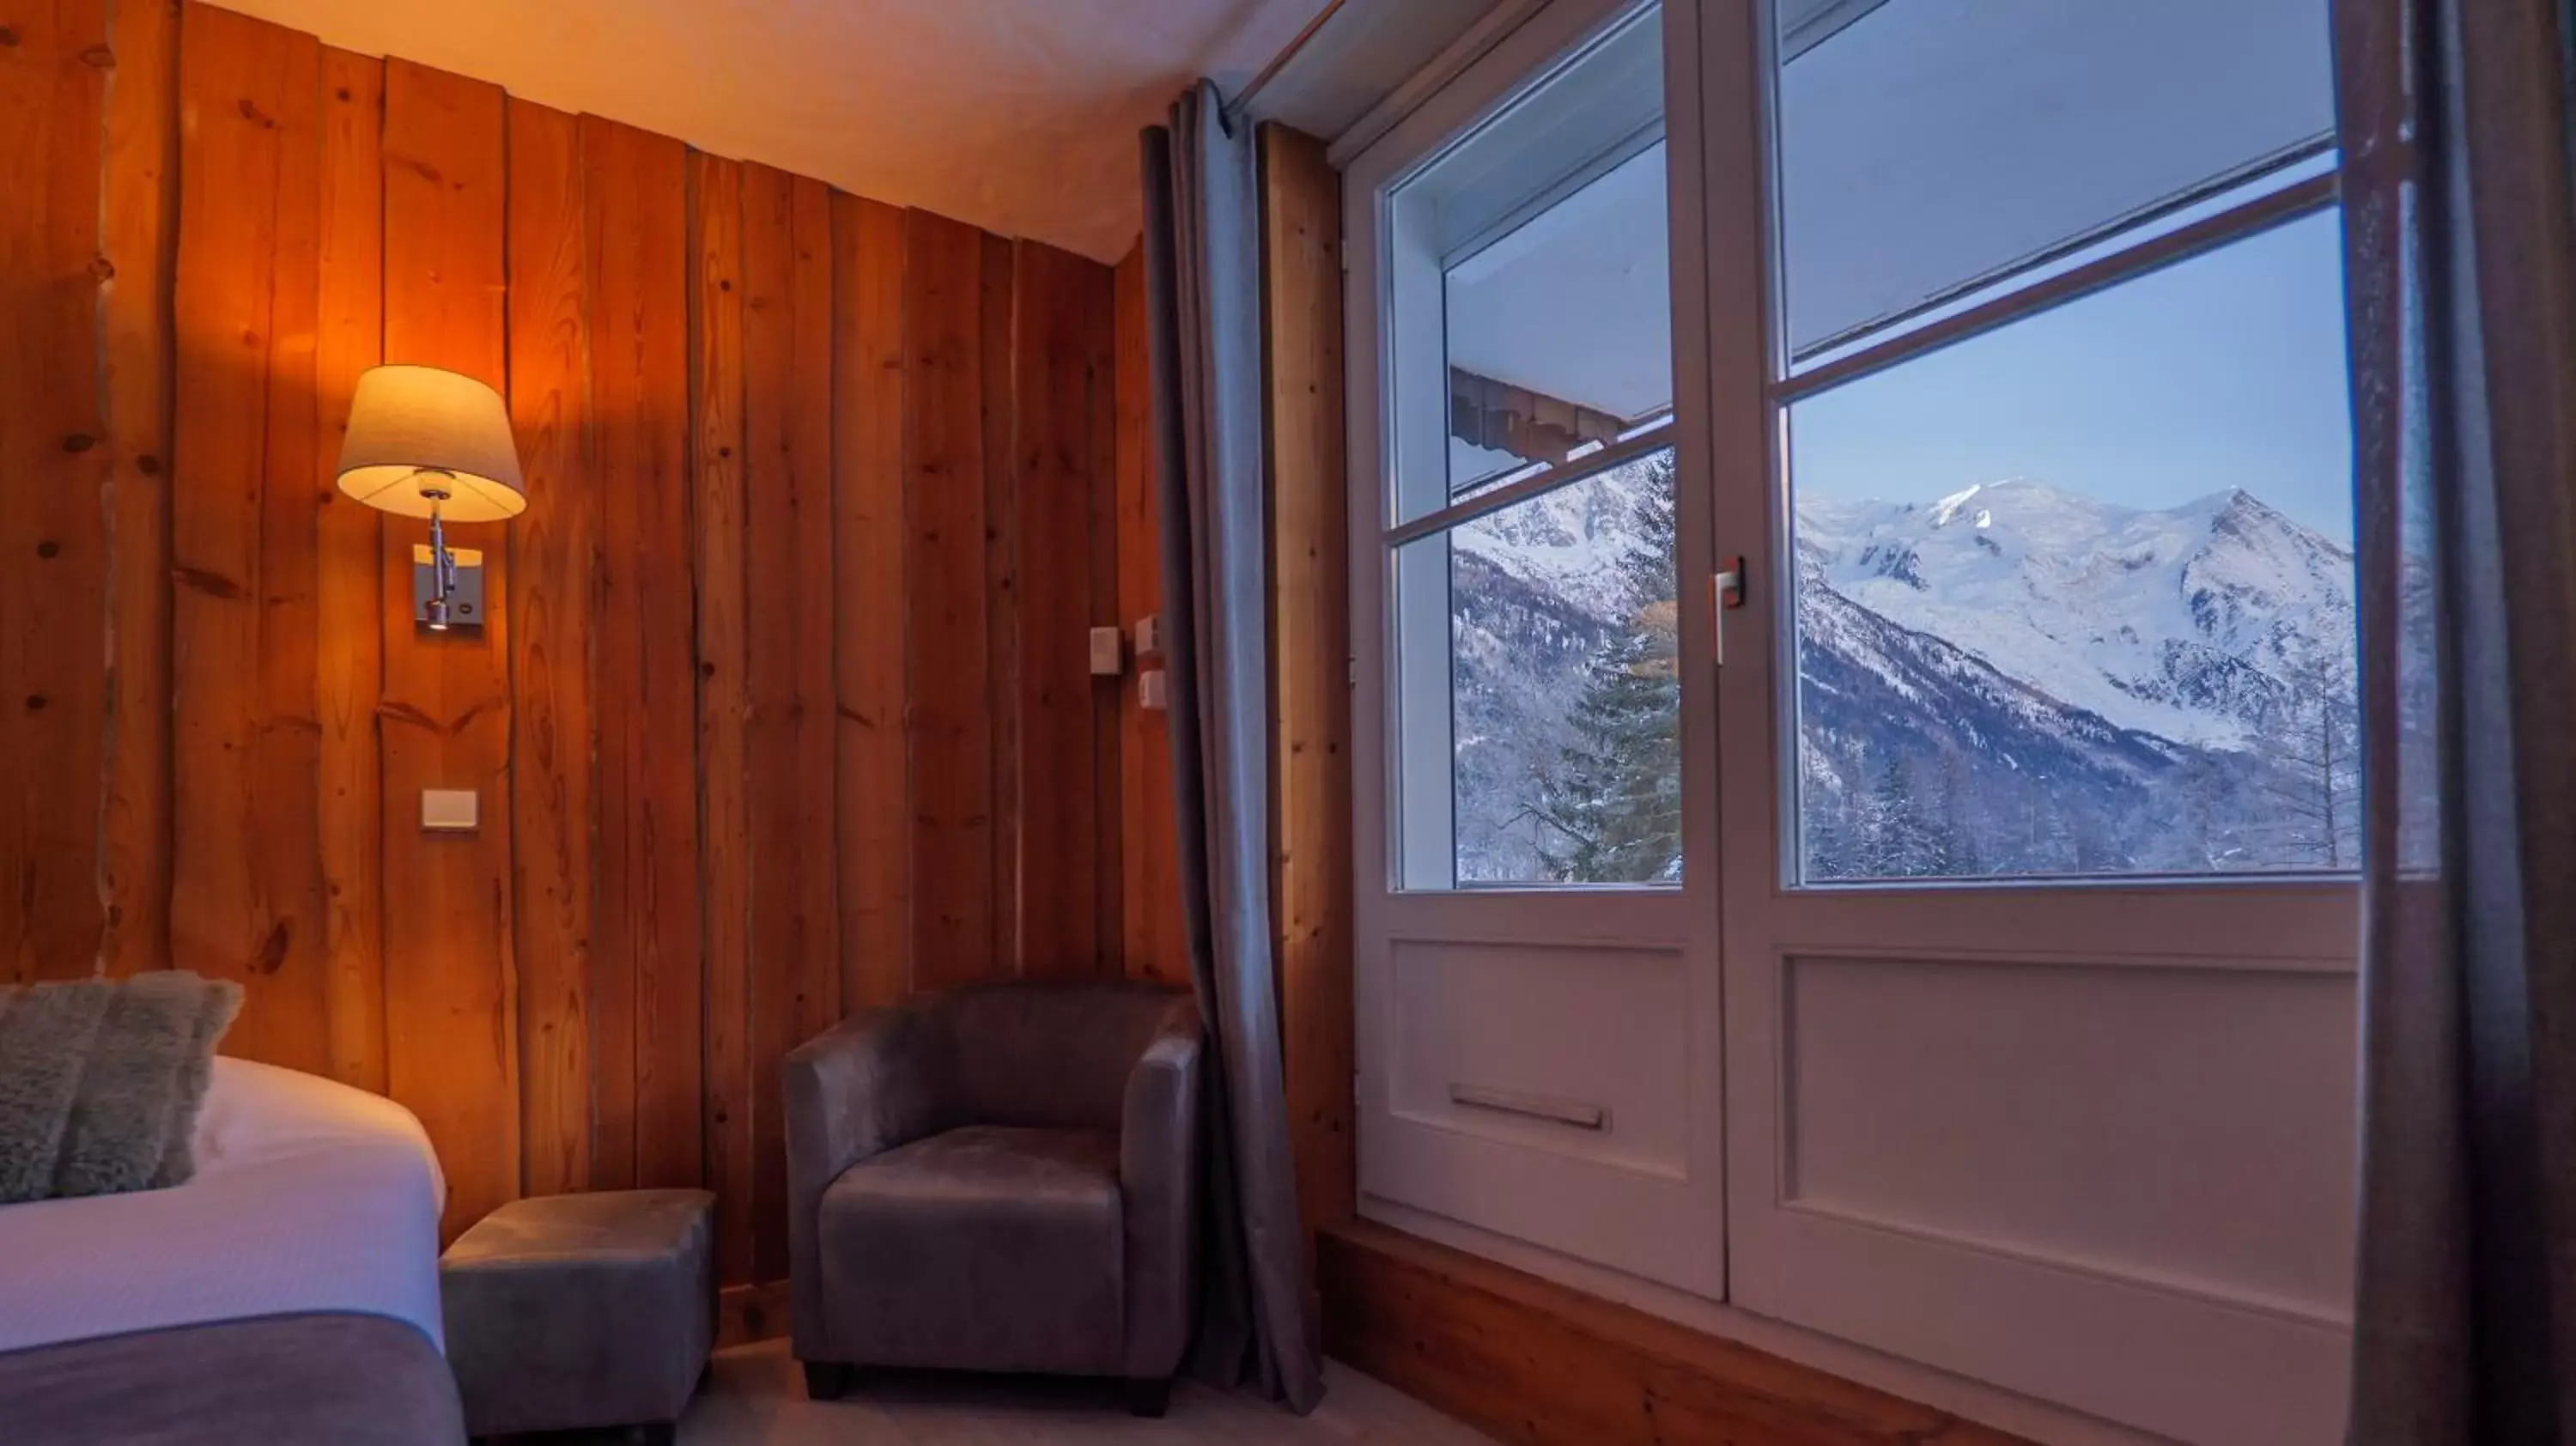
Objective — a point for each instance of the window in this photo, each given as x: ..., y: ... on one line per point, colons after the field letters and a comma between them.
x: 2069, y: 471
x: 1531, y: 541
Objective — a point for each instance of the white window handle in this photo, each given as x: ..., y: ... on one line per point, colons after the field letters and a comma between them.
x: 1725, y: 592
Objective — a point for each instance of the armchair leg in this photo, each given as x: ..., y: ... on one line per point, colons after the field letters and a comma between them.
x: 1149, y: 1397
x: 826, y: 1380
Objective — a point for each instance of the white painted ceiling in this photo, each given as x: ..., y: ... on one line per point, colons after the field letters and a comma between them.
x: 1017, y: 115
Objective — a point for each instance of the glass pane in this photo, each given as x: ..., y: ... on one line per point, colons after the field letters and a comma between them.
x: 1528, y: 312
x: 1925, y: 144
x: 1563, y: 702
x: 2076, y: 596
x: 1560, y: 331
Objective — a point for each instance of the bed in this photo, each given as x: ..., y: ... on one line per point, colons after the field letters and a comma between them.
x: 287, y: 1293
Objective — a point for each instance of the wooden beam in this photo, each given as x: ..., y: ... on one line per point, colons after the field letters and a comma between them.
x: 735, y: 1092
x: 999, y: 397
x: 552, y: 725
x: 1108, y: 738
x: 872, y: 609
x: 451, y: 972
x: 795, y: 916
x: 635, y: 185
x: 53, y: 537
x: 949, y: 725
x: 1534, y: 1362
x: 139, y: 235
x: 245, y: 532
x: 1150, y: 907
x: 348, y: 586
x: 1051, y: 695
x: 1310, y: 630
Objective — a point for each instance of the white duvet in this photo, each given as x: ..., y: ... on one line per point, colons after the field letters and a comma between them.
x: 309, y: 1196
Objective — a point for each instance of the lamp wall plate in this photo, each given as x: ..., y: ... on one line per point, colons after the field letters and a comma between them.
x: 464, y: 600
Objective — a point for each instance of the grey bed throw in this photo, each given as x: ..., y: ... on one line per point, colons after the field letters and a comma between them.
x: 290, y: 1380
x: 101, y: 1081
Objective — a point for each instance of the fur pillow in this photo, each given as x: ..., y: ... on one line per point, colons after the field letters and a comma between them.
x: 101, y: 1081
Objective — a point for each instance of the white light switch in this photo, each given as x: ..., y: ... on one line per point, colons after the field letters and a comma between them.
x: 1149, y: 634
x: 447, y: 810
x: 1108, y: 652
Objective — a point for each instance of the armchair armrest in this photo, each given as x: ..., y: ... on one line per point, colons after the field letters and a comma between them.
x: 1158, y: 1169
x: 858, y: 1089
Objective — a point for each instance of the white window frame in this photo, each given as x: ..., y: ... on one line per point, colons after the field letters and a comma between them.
x: 1656, y: 1219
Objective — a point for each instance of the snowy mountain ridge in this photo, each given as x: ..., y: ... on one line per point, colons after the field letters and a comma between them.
x: 2183, y: 622
x: 2009, y: 679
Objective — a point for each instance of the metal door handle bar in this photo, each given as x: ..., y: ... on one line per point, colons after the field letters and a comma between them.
x: 1536, y: 1107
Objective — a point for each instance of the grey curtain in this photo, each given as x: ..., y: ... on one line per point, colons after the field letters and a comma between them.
x: 1202, y: 295
x: 2458, y: 259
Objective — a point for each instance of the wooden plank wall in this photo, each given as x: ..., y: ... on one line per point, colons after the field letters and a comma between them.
x: 1156, y: 947
x: 767, y: 719
x: 1310, y: 635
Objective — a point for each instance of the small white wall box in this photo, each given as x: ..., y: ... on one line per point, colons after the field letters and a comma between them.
x: 1154, y: 689
x: 1149, y: 634
x: 1108, y: 652
x: 447, y: 810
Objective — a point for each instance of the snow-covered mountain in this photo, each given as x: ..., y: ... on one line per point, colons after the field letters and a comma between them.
x: 2182, y: 622
x: 2011, y: 679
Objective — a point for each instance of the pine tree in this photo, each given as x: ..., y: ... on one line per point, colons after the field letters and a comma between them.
x: 2311, y: 743
x: 1613, y: 804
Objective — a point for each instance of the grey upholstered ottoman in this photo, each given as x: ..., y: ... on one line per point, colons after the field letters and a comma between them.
x: 568, y: 1312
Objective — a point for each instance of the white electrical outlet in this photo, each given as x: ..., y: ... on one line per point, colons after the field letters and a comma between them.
x: 1149, y: 634
x: 1154, y: 689
x: 1108, y: 652
x: 448, y: 810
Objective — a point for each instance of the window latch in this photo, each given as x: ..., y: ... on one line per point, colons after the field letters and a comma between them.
x: 1725, y: 592
x: 1729, y: 585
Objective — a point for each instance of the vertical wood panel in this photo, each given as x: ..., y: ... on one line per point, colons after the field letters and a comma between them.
x: 735, y: 1092
x: 636, y: 189
x: 817, y: 960
x: 1051, y: 694
x: 245, y: 529
x: 294, y: 1026
x: 1310, y: 651
x: 348, y: 573
x: 550, y: 612
x: 451, y: 991
x: 53, y: 586
x: 1108, y: 739
x: 946, y: 640
x: 870, y: 620
x: 997, y: 325
x: 1152, y: 903
x: 795, y: 923
x: 140, y: 230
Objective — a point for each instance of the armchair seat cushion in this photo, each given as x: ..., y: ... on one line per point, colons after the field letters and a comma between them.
x: 985, y: 1247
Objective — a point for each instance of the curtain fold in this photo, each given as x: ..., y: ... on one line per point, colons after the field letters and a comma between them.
x: 1202, y: 298
x: 2461, y: 278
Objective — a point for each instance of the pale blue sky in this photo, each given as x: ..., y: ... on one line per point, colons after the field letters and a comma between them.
x: 2226, y: 370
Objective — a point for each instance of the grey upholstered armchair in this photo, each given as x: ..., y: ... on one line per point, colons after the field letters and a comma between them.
x: 1002, y: 1177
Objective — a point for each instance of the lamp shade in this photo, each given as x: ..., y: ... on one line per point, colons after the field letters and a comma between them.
x: 418, y: 431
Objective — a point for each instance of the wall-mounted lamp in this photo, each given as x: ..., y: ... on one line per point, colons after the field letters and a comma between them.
x: 429, y: 443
